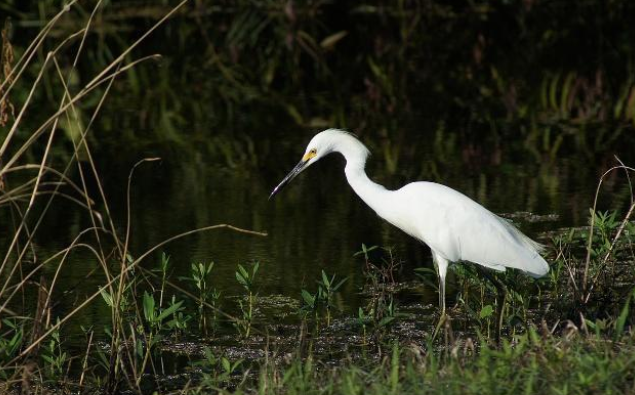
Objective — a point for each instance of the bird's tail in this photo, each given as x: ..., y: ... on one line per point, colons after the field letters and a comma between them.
x: 539, y: 267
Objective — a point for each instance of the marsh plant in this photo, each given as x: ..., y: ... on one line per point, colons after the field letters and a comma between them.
x: 156, y: 325
x: 207, y: 295
x: 380, y: 310
x: 179, y: 318
x: 55, y: 358
x: 246, y: 279
x: 328, y: 287
x: 11, y: 341
x: 179, y: 322
x: 324, y: 297
x: 379, y: 274
x: 590, y: 266
x: 163, y: 269
x: 156, y: 319
x: 216, y: 371
x: 378, y: 315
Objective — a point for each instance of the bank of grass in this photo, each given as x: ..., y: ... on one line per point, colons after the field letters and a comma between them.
x: 574, y: 363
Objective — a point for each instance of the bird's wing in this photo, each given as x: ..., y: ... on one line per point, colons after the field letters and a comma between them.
x: 461, y: 229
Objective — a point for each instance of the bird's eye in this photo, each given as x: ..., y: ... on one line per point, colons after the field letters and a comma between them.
x: 309, y: 155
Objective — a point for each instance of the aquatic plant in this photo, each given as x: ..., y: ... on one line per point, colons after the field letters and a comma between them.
x: 216, y: 371
x: 207, y: 295
x: 323, y: 298
x: 246, y: 279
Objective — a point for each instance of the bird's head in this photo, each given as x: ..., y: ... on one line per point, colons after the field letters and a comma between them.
x: 320, y: 145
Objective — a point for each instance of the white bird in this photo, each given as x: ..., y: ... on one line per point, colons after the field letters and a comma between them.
x: 455, y: 227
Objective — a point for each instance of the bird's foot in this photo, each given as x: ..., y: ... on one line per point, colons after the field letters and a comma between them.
x: 443, y: 320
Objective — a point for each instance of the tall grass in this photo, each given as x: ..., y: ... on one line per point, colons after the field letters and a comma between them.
x: 32, y: 185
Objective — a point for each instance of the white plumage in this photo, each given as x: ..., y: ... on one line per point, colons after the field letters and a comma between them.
x: 455, y: 227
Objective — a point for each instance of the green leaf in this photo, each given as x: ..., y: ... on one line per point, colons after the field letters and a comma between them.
x: 169, y: 311
x: 325, y: 279
x: 48, y: 359
x: 385, y: 321
x: 330, y: 41
x: 308, y: 298
x: 107, y: 297
x: 241, y: 280
x: 148, y: 306
x: 335, y: 288
x: 621, y: 320
x: 486, y: 311
x: 226, y: 365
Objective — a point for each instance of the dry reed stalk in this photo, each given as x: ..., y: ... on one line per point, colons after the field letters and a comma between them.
x: 25, y: 147
x: 7, y: 109
x: 63, y: 253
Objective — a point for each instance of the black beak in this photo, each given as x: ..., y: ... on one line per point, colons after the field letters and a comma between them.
x: 292, y: 174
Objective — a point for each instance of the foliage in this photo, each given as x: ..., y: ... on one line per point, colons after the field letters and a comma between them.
x: 328, y: 287
x: 207, y: 295
x: 533, y: 364
x: 246, y: 280
x: 290, y: 64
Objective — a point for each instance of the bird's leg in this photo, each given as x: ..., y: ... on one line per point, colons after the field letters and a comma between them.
x: 442, y: 296
x: 442, y: 317
x: 442, y: 269
x: 501, y: 297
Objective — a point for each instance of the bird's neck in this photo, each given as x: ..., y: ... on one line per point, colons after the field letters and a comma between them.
x: 371, y: 193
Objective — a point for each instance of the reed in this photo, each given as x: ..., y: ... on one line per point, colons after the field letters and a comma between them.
x: 33, y: 354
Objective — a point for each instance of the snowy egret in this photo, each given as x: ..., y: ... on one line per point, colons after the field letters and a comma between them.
x: 455, y: 227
